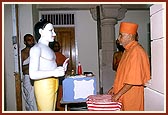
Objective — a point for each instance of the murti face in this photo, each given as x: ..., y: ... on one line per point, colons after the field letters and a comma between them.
x: 48, y: 32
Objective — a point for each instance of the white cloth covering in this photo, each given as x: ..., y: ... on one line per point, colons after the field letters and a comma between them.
x: 26, y: 61
x: 28, y: 93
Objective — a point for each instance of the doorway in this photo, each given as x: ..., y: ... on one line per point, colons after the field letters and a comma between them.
x: 66, y: 38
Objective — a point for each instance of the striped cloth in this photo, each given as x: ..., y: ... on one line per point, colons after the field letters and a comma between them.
x: 102, y: 103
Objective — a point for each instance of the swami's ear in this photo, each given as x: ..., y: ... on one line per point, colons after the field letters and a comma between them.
x: 40, y: 31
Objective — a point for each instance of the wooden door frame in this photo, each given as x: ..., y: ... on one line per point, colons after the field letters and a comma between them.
x: 73, y: 48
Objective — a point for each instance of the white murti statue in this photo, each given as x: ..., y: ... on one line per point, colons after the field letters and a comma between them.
x: 43, y: 68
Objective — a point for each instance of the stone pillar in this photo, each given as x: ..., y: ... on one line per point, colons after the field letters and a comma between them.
x: 109, y: 15
x: 108, y: 48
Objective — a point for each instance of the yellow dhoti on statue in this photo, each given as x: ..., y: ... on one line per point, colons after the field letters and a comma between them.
x: 46, y: 93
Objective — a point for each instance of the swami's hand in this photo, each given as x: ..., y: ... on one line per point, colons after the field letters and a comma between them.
x: 115, y: 97
x: 111, y: 91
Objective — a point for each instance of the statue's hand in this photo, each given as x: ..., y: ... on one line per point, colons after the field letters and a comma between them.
x: 59, y: 72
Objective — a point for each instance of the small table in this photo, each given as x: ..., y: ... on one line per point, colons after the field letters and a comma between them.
x: 73, y: 102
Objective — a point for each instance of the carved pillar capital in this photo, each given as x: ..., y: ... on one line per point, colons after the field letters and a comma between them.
x: 109, y: 11
x: 113, y: 11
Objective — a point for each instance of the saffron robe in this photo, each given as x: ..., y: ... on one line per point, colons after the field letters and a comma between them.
x: 134, y: 69
x: 60, y: 58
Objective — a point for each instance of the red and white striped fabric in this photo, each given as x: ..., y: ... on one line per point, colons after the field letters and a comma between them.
x: 102, y: 103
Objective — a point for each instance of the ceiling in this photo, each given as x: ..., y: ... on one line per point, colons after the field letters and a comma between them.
x: 88, y: 6
x: 137, y: 6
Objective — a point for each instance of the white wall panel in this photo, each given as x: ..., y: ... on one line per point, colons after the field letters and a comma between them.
x: 155, y: 8
x: 154, y: 101
x: 155, y: 92
x: 157, y: 81
x: 9, y: 79
x: 157, y: 25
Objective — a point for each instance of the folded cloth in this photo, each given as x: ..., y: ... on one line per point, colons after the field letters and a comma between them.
x: 102, y: 103
x: 26, y: 61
